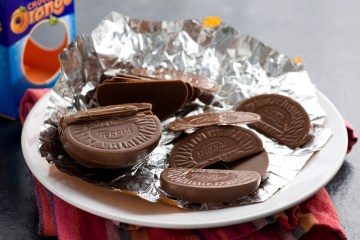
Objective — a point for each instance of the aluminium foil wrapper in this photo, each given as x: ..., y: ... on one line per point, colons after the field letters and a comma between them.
x: 240, y: 64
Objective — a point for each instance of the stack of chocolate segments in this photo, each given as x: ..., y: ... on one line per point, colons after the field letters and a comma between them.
x: 167, y: 91
x: 111, y: 137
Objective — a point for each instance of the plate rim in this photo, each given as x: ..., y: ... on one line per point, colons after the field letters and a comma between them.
x: 340, y: 136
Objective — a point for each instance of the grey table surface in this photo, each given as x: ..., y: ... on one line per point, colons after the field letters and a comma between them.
x: 325, y: 34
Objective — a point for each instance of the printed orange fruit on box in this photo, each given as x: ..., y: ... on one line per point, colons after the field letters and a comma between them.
x: 32, y: 34
x: 19, y: 20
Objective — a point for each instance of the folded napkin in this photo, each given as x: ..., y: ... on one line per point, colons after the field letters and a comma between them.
x: 315, y: 218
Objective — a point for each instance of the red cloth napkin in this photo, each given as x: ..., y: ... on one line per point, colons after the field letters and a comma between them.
x: 30, y: 97
x: 316, y: 218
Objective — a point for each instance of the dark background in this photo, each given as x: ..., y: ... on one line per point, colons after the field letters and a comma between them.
x: 325, y: 34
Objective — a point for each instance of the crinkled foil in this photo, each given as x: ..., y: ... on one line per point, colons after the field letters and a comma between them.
x: 242, y: 66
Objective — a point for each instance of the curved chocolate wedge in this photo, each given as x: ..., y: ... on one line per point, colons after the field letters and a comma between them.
x: 282, y: 118
x: 213, y: 118
x: 213, y: 144
x: 98, y: 113
x: 208, y: 185
x: 166, y: 97
x: 112, y: 142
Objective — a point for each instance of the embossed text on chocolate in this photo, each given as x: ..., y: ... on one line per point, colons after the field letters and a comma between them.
x: 114, y: 134
x: 208, y: 177
x: 213, y: 148
x: 202, y: 177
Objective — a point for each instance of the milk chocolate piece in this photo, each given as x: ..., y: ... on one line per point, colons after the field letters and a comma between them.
x: 190, y: 92
x: 128, y: 77
x: 196, y: 94
x: 166, y: 97
x: 111, y: 142
x: 191, y: 81
x: 134, y: 78
x: 206, y: 97
x: 258, y: 162
x: 213, y: 144
x: 120, y: 80
x: 202, y: 83
x: 213, y: 118
x: 282, y: 118
x: 208, y: 185
x: 105, y: 112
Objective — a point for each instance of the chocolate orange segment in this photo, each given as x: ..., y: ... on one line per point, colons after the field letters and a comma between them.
x: 99, y: 113
x: 208, y: 185
x: 209, y: 145
x: 213, y: 118
x: 166, y: 97
x: 282, y: 118
x: 190, y: 92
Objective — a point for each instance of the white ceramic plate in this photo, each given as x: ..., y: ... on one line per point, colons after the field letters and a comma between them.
x: 116, y: 206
